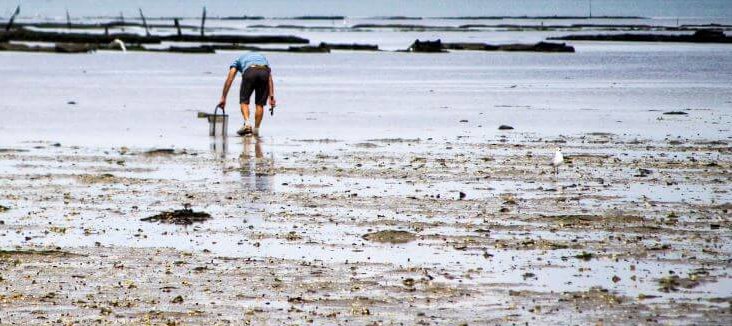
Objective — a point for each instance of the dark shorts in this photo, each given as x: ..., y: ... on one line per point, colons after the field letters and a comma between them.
x: 256, y: 80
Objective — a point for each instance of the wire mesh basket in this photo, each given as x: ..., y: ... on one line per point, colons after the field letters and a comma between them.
x: 218, y: 123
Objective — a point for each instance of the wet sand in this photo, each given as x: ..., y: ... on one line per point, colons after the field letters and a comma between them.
x: 631, y: 231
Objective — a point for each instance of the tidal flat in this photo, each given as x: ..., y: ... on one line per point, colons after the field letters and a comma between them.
x: 376, y: 231
x: 387, y: 188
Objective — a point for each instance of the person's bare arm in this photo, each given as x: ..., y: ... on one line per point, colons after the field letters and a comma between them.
x: 227, y: 85
x: 272, y: 101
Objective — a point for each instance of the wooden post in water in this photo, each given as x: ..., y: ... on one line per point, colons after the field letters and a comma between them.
x: 122, y: 20
x: 12, y: 19
x: 203, y: 20
x: 590, y: 9
x: 177, y: 26
x: 144, y: 22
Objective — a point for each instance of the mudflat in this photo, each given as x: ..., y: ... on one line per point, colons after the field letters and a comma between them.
x: 402, y: 231
x: 389, y: 188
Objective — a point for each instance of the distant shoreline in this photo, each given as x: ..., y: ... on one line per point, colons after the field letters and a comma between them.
x: 338, y: 17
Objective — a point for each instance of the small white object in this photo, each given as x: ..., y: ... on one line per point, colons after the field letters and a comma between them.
x: 119, y: 43
x: 558, y: 160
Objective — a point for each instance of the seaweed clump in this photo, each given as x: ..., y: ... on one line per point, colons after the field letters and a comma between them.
x: 184, y: 216
x: 390, y: 236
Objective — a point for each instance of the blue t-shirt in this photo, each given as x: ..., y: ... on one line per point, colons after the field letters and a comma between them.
x: 244, y: 61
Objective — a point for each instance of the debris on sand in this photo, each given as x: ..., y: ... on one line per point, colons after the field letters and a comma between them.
x: 324, y: 140
x: 29, y: 252
x: 12, y: 150
x: 160, y: 152
x: 726, y: 207
x: 179, y: 217
x: 596, y: 295
x: 365, y: 145
x: 674, y: 282
x: 586, y: 256
x: 97, y: 178
x: 395, y: 140
x: 589, y: 220
x: 675, y: 113
x: 4, y: 208
x: 505, y: 127
x: 390, y: 236
x: 643, y: 173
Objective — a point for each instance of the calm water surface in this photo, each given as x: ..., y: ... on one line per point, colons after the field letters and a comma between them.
x: 144, y: 99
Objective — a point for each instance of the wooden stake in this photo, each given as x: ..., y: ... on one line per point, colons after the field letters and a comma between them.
x: 12, y: 19
x: 203, y: 20
x: 144, y: 22
x: 177, y: 26
x: 122, y: 21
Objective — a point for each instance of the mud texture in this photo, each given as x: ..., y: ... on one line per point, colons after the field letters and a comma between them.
x: 403, y: 231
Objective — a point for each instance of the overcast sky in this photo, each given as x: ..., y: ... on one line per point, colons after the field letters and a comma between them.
x: 280, y: 8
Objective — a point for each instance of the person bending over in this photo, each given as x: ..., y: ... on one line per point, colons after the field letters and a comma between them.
x: 257, y: 79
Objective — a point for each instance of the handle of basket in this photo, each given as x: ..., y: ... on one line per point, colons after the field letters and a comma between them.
x: 217, y: 109
x: 215, y: 117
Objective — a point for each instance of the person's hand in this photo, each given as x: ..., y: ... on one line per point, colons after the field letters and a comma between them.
x: 272, y: 101
x: 222, y: 103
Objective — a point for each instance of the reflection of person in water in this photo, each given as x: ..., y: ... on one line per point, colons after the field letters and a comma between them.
x: 257, y: 172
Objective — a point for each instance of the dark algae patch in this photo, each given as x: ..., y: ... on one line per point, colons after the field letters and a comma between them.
x: 390, y: 236
x: 586, y: 256
x: 12, y: 150
x: 675, y: 113
x: 180, y: 217
x: 160, y: 152
x: 674, y: 282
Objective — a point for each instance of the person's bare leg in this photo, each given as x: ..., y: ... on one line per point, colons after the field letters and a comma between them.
x: 258, y: 116
x: 245, y: 112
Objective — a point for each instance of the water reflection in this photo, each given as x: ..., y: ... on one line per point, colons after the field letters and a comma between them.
x: 257, y: 171
x: 219, y: 147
